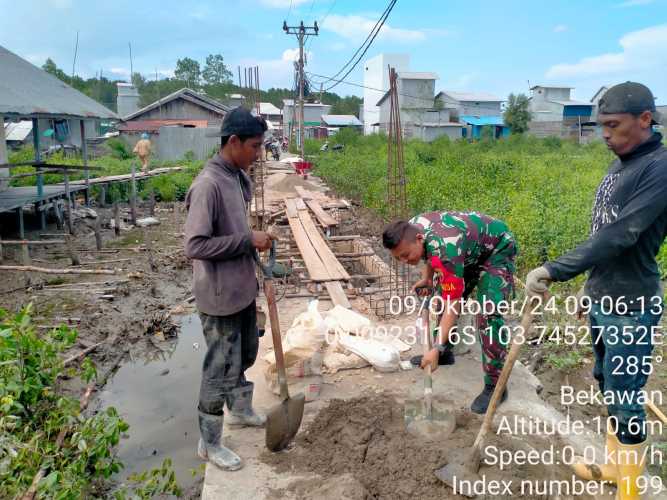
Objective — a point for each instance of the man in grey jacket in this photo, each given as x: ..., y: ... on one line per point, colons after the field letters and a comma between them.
x: 222, y: 246
x: 623, y: 290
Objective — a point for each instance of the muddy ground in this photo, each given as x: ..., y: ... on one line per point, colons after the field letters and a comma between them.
x: 362, y: 440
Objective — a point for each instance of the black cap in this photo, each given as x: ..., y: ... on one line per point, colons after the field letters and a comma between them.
x: 240, y: 121
x: 628, y: 97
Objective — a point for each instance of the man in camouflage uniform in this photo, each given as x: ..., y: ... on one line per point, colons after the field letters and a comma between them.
x: 462, y: 251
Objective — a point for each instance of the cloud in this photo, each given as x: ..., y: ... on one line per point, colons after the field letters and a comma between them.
x: 634, y: 3
x: 290, y: 55
x: 559, y: 28
x: 282, y: 4
x: 120, y: 71
x: 641, y: 50
x: 357, y: 28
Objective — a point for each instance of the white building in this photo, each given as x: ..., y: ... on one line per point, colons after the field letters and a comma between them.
x: 471, y: 103
x: 554, y: 104
x: 312, y: 117
x: 420, y: 117
x: 376, y: 76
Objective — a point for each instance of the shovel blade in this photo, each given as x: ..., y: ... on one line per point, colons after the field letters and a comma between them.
x: 462, y: 466
x: 436, y: 425
x: 283, y: 422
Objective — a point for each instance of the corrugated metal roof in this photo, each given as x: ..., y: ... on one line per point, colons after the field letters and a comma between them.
x: 18, y: 131
x: 570, y: 102
x: 268, y: 108
x: 154, y: 125
x: 482, y: 120
x: 441, y: 124
x: 187, y: 94
x: 551, y: 87
x: 290, y: 102
x: 417, y: 75
x: 26, y: 90
x: 341, y: 120
x: 471, y: 96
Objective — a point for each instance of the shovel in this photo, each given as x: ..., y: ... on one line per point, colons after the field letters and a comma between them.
x: 464, y: 464
x: 283, y: 420
x: 421, y: 417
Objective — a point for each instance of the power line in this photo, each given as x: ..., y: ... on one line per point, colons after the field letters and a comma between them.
x: 321, y: 22
x: 289, y: 10
x: 382, y: 16
x: 365, y: 46
x: 354, y: 84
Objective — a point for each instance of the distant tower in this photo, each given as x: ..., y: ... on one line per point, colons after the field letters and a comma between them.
x: 376, y: 76
x: 127, y: 100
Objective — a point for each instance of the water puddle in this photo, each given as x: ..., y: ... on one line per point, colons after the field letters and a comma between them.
x: 158, y: 399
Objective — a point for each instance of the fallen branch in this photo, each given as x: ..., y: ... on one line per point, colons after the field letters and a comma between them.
x: 33, y: 242
x: 92, y: 262
x: 82, y: 353
x: 88, y: 283
x: 45, y: 270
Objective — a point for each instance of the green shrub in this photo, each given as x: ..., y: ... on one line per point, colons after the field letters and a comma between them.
x: 34, y: 413
x: 119, y: 149
x: 543, y: 188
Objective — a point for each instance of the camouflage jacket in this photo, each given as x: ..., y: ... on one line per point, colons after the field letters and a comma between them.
x: 463, y: 241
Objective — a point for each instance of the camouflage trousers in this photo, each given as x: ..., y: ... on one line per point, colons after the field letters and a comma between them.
x: 232, y: 343
x: 493, y: 281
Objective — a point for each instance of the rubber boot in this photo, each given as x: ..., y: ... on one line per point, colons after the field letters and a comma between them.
x: 481, y: 402
x: 630, y: 465
x: 241, y: 412
x: 210, y: 447
x: 601, y: 472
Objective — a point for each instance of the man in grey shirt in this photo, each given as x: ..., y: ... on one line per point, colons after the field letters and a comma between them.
x: 222, y: 247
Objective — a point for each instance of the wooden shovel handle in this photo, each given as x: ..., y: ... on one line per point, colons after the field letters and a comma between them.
x: 270, y: 294
x: 511, y: 358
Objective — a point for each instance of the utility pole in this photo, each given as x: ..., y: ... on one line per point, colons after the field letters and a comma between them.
x: 301, y: 33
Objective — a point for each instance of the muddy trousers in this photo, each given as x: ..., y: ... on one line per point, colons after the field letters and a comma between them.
x: 623, y: 345
x: 494, y: 283
x: 232, y: 343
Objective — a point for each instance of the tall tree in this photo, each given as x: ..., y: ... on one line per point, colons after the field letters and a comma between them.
x: 347, y: 106
x: 517, y: 114
x: 50, y: 67
x: 189, y: 71
x: 138, y: 80
x: 215, y: 71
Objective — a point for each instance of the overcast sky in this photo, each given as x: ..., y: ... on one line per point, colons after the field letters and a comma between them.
x: 488, y: 46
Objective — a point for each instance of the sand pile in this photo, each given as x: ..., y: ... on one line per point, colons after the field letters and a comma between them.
x: 361, y: 451
x: 366, y: 437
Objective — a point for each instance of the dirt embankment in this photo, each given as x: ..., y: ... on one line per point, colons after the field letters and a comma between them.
x: 152, y: 277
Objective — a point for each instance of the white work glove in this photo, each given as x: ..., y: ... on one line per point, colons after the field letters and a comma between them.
x: 538, y: 281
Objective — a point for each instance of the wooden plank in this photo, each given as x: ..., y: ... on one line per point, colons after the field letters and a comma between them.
x: 300, y: 205
x: 335, y: 269
x: 325, y: 219
x: 290, y: 207
x: 316, y: 268
x: 306, y: 195
x: 337, y: 294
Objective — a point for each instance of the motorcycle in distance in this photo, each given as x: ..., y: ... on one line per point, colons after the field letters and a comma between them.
x: 275, y: 152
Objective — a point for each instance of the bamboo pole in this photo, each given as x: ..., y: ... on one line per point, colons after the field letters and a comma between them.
x: 116, y: 217
x: 98, y: 232
x: 45, y: 270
